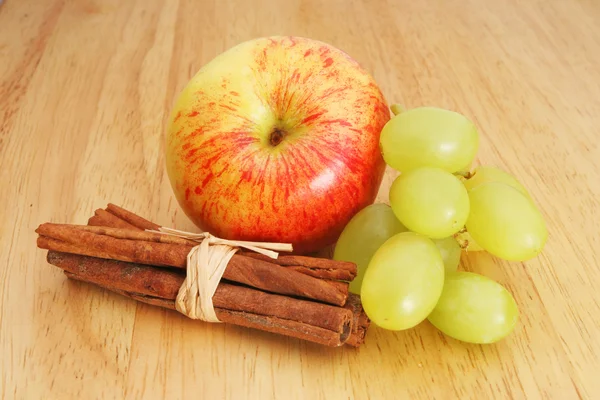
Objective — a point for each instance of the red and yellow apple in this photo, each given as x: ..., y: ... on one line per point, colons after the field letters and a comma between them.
x: 277, y: 139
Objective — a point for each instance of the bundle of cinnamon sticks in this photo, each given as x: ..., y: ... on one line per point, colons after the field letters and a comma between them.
x: 298, y: 296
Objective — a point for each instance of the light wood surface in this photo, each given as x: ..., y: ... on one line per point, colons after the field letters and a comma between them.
x: 85, y: 89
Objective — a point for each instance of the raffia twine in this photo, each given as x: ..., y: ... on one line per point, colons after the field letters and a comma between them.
x: 205, y: 266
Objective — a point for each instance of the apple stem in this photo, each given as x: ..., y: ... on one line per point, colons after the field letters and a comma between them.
x: 276, y: 137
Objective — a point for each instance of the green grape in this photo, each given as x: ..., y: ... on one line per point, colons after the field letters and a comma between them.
x: 430, y: 201
x: 505, y: 222
x: 363, y: 235
x: 466, y: 242
x: 492, y: 174
x: 474, y: 309
x: 429, y: 137
x: 450, y: 251
x: 403, y: 281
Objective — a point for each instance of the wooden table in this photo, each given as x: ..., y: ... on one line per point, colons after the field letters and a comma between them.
x: 85, y: 89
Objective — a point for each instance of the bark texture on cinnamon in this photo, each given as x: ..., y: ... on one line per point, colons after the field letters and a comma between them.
x: 133, y: 219
x: 104, y: 218
x: 313, y: 266
x: 286, y: 296
x: 320, y: 268
x: 162, y: 250
x: 287, y: 328
x: 308, y: 320
x: 360, y: 321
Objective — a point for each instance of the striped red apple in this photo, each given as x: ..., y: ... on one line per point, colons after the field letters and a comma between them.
x: 277, y: 139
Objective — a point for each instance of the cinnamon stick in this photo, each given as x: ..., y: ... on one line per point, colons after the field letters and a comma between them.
x: 117, y: 247
x: 308, y: 320
x: 163, y: 250
x: 131, y: 218
x: 104, y: 218
x: 306, y: 265
x: 360, y: 321
x: 313, y: 266
x: 317, y: 267
x: 275, y: 325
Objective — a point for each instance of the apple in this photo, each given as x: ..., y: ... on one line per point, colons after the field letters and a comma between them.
x: 277, y: 139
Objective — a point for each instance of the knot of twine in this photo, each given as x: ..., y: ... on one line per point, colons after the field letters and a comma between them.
x: 205, y: 266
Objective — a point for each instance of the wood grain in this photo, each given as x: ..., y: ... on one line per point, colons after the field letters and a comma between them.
x: 85, y: 89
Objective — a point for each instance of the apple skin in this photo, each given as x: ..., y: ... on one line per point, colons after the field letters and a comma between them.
x: 277, y: 139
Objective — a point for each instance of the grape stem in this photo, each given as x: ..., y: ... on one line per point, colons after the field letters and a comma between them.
x: 464, y: 244
x: 397, y: 109
x: 465, y: 174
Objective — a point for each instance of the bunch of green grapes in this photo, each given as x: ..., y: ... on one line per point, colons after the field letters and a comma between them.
x: 408, y: 253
